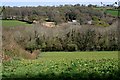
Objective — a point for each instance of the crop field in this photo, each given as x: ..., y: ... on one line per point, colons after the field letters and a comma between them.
x: 65, y: 66
x: 14, y: 23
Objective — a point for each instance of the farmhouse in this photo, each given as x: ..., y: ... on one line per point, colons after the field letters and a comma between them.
x: 49, y: 24
x: 74, y: 21
x: 35, y: 21
x: 89, y: 22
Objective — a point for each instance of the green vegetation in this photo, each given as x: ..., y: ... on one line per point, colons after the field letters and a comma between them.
x: 80, y: 29
x: 65, y: 65
x: 58, y: 14
x: 112, y: 12
x: 14, y: 23
x: 99, y: 8
x: 98, y: 22
x: 96, y: 55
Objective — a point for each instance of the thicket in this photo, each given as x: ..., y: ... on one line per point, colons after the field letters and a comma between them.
x: 68, y: 38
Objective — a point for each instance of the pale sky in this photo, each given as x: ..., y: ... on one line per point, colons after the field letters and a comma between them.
x: 52, y: 2
x: 58, y: 0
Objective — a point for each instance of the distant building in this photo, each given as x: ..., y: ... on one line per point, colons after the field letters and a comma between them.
x: 74, y: 20
x: 49, y: 24
x: 13, y: 17
x: 89, y: 22
x: 35, y: 22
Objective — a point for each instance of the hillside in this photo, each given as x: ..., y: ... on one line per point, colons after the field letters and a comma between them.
x: 59, y: 14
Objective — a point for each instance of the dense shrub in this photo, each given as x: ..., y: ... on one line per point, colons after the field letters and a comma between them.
x: 31, y: 46
x: 68, y: 38
x: 72, y: 47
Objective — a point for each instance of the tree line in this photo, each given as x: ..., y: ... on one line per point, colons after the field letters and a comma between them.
x: 68, y: 38
x: 58, y: 14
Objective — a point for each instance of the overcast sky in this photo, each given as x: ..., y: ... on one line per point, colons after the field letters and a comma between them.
x: 58, y: 0
x: 52, y: 2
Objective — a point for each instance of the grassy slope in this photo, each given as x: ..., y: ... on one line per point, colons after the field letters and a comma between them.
x: 14, y: 23
x: 78, y: 55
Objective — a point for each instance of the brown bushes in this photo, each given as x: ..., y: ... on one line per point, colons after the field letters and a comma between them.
x: 34, y: 54
x: 4, y: 57
x: 12, y: 49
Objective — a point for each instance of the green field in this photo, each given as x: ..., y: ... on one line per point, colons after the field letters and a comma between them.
x: 46, y: 56
x: 14, y: 23
x: 65, y: 66
x: 112, y: 12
